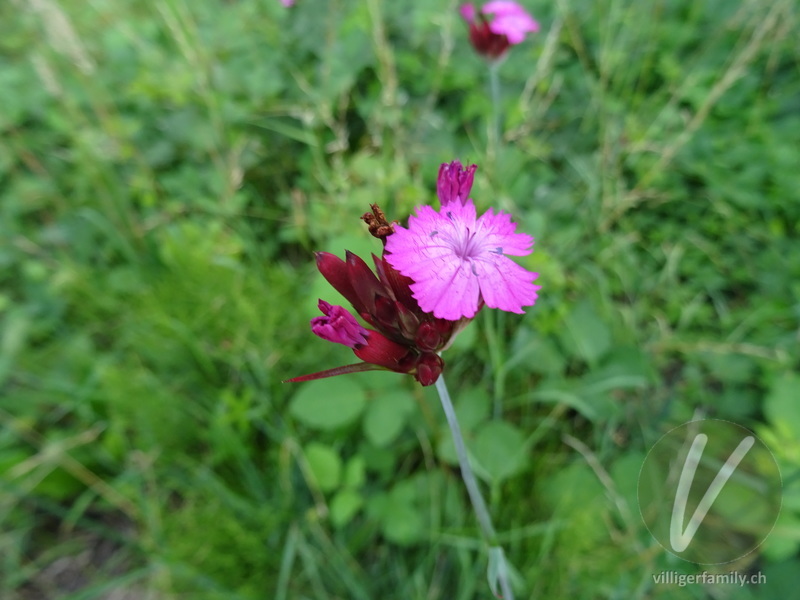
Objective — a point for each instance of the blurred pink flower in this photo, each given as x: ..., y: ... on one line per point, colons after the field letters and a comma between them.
x: 509, y: 25
x: 287, y: 3
x: 458, y: 262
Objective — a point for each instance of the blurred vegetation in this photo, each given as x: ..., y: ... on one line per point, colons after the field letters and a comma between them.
x: 167, y: 170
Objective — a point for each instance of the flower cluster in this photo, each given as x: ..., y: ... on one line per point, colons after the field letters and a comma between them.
x: 432, y: 279
x: 508, y: 25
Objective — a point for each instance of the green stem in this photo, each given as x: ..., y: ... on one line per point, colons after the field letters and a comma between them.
x: 494, y: 322
x: 471, y: 483
x: 494, y: 90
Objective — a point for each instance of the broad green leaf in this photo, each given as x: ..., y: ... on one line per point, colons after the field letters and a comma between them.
x: 386, y: 417
x: 325, y: 465
x: 625, y: 473
x: 586, y: 334
x: 782, y: 405
x: 344, y: 506
x: 354, y: 475
x: 403, y: 524
x: 500, y: 449
x: 328, y: 403
x: 563, y: 393
x: 784, y: 539
x: 472, y: 408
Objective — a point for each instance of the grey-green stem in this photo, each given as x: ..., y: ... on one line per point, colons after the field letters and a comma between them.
x: 471, y: 483
x: 494, y: 89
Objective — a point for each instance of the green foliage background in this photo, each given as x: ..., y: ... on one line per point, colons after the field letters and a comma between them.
x: 167, y: 169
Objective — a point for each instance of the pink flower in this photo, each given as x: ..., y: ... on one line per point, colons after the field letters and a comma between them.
x: 287, y: 3
x: 458, y: 262
x: 454, y: 182
x: 509, y: 25
x: 431, y: 280
x: 338, y: 326
x: 510, y: 20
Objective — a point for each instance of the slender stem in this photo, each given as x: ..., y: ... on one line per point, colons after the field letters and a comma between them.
x: 494, y: 322
x: 471, y: 483
x: 481, y: 512
x: 494, y: 89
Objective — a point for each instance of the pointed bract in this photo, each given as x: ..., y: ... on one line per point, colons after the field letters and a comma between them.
x: 380, y: 350
x: 337, y: 273
x: 356, y: 368
x: 367, y: 287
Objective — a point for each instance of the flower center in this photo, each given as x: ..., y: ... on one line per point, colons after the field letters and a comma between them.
x: 465, y: 246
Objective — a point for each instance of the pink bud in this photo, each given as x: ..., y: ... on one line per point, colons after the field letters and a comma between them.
x: 455, y: 182
x: 338, y: 326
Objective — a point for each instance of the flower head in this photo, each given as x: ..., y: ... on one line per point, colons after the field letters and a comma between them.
x: 509, y: 24
x: 458, y: 261
x: 432, y: 279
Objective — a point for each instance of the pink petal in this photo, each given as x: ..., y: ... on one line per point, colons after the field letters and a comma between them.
x: 450, y: 293
x: 338, y: 326
x: 507, y: 286
x: 510, y: 19
x: 467, y: 12
x: 498, y: 231
x: 502, y: 7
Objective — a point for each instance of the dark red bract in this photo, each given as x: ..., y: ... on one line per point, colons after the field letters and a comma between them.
x: 404, y: 339
x: 485, y: 41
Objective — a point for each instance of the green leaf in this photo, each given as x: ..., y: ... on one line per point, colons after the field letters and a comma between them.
x: 586, y: 334
x: 354, y: 472
x: 497, y: 570
x: 328, y: 403
x: 500, y: 449
x: 386, y: 417
x: 472, y: 408
x: 781, y: 405
x: 325, y: 465
x: 402, y: 524
x: 344, y: 506
x: 12, y: 340
x: 784, y: 540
